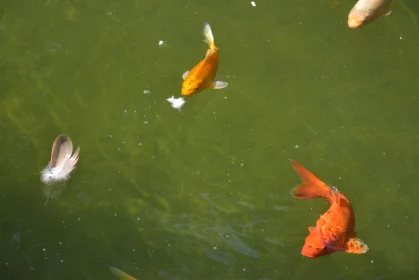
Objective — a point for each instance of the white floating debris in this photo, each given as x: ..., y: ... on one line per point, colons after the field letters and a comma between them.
x: 177, y: 103
x: 253, y: 3
x: 162, y: 44
x: 146, y: 91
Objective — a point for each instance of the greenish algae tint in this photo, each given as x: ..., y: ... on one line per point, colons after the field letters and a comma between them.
x: 203, y: 193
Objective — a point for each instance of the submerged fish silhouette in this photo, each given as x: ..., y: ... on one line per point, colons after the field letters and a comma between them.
x: 62, y: 162
x: 120, y: 274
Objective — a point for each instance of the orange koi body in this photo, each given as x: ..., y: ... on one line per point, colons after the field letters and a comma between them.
x: 335, y: 229
x: 202, y: 76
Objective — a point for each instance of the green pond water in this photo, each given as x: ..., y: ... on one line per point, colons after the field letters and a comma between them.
x: 204, y: 193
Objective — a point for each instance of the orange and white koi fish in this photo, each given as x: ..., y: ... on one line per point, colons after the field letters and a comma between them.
x: 202, y: 76
x: 366, y: 11
x: 335, y: 229
x: 120, y: 274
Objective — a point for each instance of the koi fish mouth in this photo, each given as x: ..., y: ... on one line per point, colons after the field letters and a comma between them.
x: 307, y: 255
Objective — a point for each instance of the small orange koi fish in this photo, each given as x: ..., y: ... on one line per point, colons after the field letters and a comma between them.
x: 120, y: 274
x: 335, y: 229
x: 202, y: 76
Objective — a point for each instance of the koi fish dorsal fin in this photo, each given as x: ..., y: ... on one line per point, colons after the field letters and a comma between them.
x: 355, y: 246
x: 311, y: 186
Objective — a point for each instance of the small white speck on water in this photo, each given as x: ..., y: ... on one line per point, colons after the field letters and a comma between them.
x: 372, y: 261
x: 400, y: 38
x: 60, y: 243
x: 110, y: 135
x: 244, y: 269
x: 125, y: 111
x: 116, y: 215
x: 146, y: 122
x: 146, y: 91
x: 296, y: 146
x: 138, y: 218
x: 62, y: 261
x: 215, y: 248
x: 162, y: 44
x: 43, y: 249
x: 253, y: 3
x: 176, y: 103
x: 140, y: 144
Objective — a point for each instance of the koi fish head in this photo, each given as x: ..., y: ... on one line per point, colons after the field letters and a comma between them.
x: 191, y: 87
x: 313, y: 247
x: 358, y: 18
x: 362, y: 15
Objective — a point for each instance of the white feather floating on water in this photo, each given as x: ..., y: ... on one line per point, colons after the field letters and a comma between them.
x: 62, y: 162
x: 177, y: 103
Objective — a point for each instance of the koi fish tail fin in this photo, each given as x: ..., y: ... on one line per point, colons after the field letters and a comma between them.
x: 311, y: 186
x: 355, y: 246
x: 209, y: 38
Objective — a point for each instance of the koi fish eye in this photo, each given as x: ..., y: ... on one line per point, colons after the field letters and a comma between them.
x: 309, y: 246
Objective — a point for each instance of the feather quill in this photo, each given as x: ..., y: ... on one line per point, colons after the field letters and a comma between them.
x: 62, y: 161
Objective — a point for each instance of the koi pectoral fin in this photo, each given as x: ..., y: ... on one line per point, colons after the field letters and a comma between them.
x: 355, y: 246
x: 185, y: 74
x: 219, y: 85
